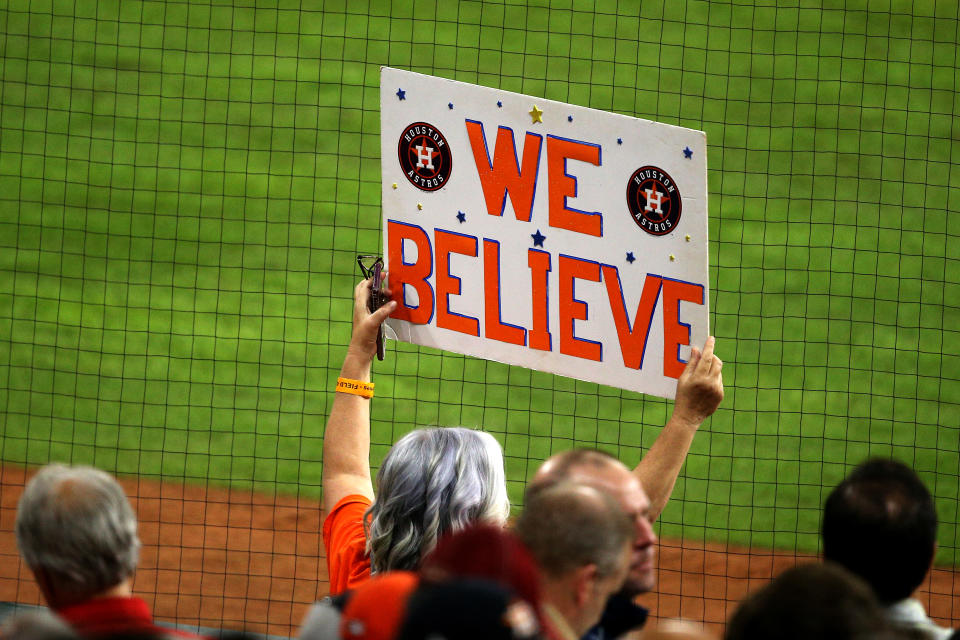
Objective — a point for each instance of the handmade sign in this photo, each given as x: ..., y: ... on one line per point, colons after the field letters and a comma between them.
x: 543, y: 234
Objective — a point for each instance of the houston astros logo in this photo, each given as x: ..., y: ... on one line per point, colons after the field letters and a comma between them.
x: 653, y: 200
x: 424, y: 156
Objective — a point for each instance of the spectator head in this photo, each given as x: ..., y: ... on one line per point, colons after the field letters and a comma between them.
x: 604, y: 472
x: 810, y: 601
x: 881, y: 524
x: 378, y: 607
x: 581, y: 540
x: 36, y: 625
x: 433, y: 481
x: 468, y: 609
x: 493, y: 554
x: 485, y: 552
x: 77, y: 533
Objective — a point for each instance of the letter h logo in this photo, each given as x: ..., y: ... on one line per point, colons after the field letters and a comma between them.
x: 653, y: 201
x: 425, y: 156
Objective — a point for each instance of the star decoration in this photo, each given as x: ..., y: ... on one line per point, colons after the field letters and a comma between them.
x: 687, y: 153
x: 536, y: 115
x: 672, y: 257
x: 569, y: 118
x: 394, y: 185
x: 538, y: 238
x: 419, y: 206
x: 687, y: 237
x: 401, y: 94
x: 500, y: 103
x: 461, y: 216
x: 619, y: 140
x: 630, y: 257
x: 450, y: 105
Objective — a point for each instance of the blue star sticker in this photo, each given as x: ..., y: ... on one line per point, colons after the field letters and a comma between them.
x: 500, y: 103
x: 687, y: 153
x: 450, y: 105
x: 538, y: 238
x: 569, y: 118
x: 619, y: 140
x: 401, y: 94
x: 630, y: 257
x: 461, y: 216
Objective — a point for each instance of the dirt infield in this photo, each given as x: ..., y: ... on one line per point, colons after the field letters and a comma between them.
x: 243, y: 560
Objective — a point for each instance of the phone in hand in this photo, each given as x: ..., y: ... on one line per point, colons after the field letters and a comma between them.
x: 378, y: 297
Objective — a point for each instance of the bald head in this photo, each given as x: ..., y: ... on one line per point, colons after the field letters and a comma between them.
x: 567, y: 526
x: 569, y: 466
x: 605, y: 473
x: 580, y: 539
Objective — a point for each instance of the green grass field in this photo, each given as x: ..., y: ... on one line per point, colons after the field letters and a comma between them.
x: 184, y: 188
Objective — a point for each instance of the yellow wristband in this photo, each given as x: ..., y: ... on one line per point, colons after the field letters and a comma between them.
x: 357, y: 388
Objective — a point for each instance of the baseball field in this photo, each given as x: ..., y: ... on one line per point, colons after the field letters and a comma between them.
x: 184, y: 188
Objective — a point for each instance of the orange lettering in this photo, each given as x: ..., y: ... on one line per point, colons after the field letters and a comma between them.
x: 539, y: 263
x: 563, y: 185
x: 493, y: 327
x: 676, y: 333
x: 633, y: 341
x: 571, y: 309
x: 448, y: 242
x: 504, y: 176
x: 413, y: 274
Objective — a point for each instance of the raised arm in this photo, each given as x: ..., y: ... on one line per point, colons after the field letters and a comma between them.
x: 346, y: 440
x: 699, y: 393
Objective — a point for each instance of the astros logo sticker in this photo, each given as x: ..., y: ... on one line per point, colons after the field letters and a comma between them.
x: 653, y: 200
x: 425, y: 156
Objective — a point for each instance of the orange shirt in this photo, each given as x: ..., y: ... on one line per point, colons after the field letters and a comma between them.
x: 346, y: 543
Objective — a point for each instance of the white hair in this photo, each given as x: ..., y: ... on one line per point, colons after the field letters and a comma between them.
x: 77, y: 525
x: 433, y: 481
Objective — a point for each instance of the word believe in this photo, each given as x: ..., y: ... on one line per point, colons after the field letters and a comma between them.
x: 434, y: 306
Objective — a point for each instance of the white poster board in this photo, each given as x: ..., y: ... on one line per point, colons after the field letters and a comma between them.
x: 543, y: 234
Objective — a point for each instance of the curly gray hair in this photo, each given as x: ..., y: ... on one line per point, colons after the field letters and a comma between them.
x: 76, y: 524
x: 433, y: 481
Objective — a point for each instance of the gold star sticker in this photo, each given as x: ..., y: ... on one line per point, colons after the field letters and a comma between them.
x: 394, y: 185
x: 419, y: 206
x: 536, y: 115
x: 688, y: 237
x: 672, y: 257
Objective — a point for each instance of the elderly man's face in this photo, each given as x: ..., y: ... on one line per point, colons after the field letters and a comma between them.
x: 617, y: 481
x: 606, y: 586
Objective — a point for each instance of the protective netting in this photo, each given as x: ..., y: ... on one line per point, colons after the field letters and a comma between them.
x: 184, y: 189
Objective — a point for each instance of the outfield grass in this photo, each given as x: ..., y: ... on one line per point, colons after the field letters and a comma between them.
x: 183, y: 190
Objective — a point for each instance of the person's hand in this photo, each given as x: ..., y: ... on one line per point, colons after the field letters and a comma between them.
x: 363, y: 342
x: 700, y: 387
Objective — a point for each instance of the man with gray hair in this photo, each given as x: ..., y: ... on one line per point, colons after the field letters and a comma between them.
x: 608, y: 475
x: 643, y: 492
x: 78, y: 534
x: 581, y: 540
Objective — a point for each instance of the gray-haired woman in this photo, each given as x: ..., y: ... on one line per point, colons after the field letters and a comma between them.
x: 432, y: 480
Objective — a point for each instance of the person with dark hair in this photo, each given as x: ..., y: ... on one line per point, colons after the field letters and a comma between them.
x: 581, y: 541
x: 881, y: 524
x: 811, y: 601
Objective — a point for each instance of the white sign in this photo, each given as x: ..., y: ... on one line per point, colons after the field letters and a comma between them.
x: 543, y: 234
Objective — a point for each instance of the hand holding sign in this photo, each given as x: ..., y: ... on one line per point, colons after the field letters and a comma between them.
x: 366, y: 323
x: 700, y: 387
